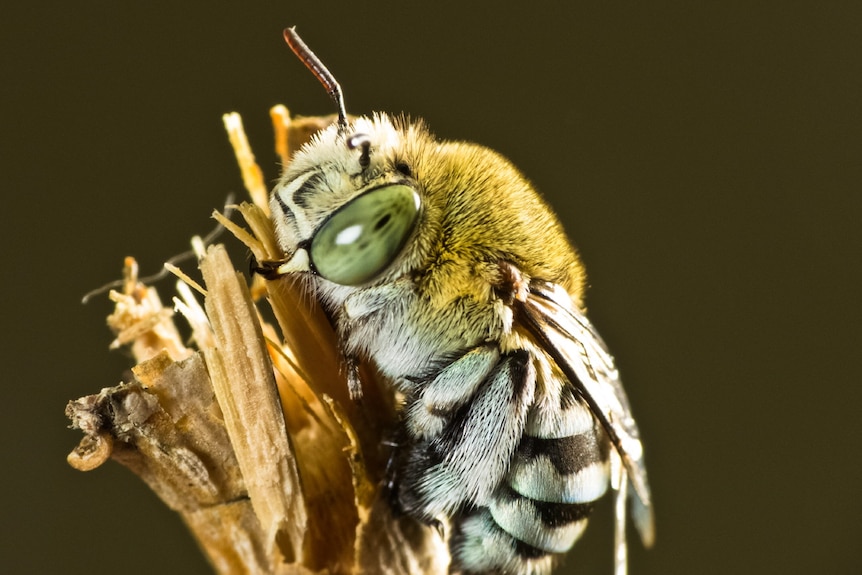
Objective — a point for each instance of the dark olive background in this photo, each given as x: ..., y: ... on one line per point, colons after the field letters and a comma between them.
x: 706, y: 161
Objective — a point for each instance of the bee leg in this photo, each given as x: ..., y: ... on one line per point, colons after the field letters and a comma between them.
x: 512, y: 285
x: 440, y: 527
x: 266, y: 268
x: 465, y: 424
x: 392, y: 485
x: 356, y: 309
x: 620, y: 482
x: 354, y: 384
x: 389, y: 488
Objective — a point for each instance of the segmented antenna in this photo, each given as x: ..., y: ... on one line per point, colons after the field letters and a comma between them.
x: 324, y: 76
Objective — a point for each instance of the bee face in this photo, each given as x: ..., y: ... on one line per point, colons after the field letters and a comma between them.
x: 348, y: 212
x: 440, y: 264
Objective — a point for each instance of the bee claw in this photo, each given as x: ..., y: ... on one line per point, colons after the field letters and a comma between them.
x: 438, y: 526
x: 268, y: 269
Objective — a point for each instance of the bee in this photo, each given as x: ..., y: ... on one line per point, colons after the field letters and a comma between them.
x: 440, y: 263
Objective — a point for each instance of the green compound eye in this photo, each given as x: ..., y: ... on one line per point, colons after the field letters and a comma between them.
x: 363, y: 237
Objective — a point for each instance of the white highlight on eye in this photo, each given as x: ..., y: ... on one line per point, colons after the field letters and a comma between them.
x: 348, y: 235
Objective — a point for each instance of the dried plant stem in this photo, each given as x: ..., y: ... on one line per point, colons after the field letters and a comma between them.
x: 244, y: 386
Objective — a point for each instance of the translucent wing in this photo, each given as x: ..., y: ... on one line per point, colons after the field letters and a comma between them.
x: 568, y: 337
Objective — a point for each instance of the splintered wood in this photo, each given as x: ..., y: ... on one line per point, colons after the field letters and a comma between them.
x: 255, y: 443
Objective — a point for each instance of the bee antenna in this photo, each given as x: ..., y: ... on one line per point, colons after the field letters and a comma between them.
x: 316, y: 67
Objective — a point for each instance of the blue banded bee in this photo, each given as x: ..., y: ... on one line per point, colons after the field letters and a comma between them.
x: 439, y: 263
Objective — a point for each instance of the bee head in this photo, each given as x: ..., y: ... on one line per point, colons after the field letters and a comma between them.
x: 348, y: 202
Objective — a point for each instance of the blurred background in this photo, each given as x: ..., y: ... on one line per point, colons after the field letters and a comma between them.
x: 706, y: 161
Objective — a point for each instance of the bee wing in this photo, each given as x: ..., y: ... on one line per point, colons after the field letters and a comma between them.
x: 578, y: 350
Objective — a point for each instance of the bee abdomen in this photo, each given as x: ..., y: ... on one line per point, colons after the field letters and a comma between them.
x: 561, y: 470
x: 514, y: 462
x: 544, y: 503
x: 480, y: 545
x: 550, y: 526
